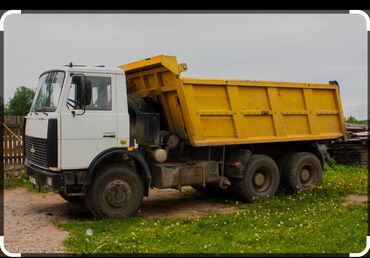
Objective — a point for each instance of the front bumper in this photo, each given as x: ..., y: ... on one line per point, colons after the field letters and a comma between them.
x: 44, y: 178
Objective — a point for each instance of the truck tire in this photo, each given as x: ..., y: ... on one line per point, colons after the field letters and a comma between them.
x: 261, y: 179
x: 71, y: 199
x: 116, y: 191
x: 303, y: 170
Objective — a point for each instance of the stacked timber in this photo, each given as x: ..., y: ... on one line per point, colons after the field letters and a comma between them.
x: 353, y: 151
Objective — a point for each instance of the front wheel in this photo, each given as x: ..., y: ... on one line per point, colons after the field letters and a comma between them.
x: 116, y: 191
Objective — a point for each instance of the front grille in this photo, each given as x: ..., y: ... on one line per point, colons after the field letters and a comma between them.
x: 39, y: 154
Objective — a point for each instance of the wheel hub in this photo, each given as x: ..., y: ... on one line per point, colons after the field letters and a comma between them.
x: 117, y: 194
x: 259, y: 179
x: 305, y: 175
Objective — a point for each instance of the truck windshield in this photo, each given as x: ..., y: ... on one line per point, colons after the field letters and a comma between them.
x: 48, y: 92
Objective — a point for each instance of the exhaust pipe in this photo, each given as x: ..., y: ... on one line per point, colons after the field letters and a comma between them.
x: 222, y: 183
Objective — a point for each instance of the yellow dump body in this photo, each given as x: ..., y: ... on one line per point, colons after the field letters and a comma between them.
x: 223, y: 112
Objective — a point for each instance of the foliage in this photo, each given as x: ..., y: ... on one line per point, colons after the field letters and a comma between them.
x: 354, y: 120
x: 20, y: 103
x: 2, y: 107
x: 314, y: 221
x: 11, y: 181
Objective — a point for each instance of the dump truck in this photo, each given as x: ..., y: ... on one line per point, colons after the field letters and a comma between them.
x: 106, y: 136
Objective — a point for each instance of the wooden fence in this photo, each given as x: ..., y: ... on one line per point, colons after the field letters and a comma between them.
x: 12, y: 140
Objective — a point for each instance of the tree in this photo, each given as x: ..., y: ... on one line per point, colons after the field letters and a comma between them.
x: 2, y: 106
x: 20, y: 103
x: 354, y: 120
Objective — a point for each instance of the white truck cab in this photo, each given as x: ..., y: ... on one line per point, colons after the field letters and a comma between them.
x: 78, y: 121
x: 91, y: 129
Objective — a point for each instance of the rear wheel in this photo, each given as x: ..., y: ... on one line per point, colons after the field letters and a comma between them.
x: 116, y: 191
x: 261, y: 179
x: 303, y: 170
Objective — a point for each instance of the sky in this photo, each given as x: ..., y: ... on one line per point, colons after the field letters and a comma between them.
x: 314, y: 48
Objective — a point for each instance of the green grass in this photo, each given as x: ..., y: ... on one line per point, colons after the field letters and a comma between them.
x: 11, y: 181
x: 315, y: 221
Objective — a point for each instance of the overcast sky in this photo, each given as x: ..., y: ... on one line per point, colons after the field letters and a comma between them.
x: 281, y: 47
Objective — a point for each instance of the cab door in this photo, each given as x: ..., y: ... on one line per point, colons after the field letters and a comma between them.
x: 87, y: 131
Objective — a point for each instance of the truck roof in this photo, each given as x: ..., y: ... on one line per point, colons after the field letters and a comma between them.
x: 90, y: 69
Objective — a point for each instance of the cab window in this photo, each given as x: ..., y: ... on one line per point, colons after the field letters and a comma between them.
x: 101, y: 94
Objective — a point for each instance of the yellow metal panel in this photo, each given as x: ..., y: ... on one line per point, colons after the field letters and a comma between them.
x: 291, y: 99
x: 242, y: 83
x: 340, y: 112
x: 328, y: 124
x: 256, y: 112
x: 297, y: 125
x: 148, y: 77
x: 236, y: 110
x: 151, y: 81
x: 221, y: 127
x: 221, y: 111
x: 194, y: 120
x: 175, y: 112
x: 310, y: 107
x: 211, y: 97
x: 275, y: 106
x: 253, y: 98
x: 169, y: 62
x: 324, y: 99
x: 167, y: 79
x: 218, y: 142
x: 260, y: 127
x: 187, y: 115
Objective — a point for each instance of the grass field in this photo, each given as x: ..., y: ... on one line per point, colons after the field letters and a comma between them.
x: 315, y: 221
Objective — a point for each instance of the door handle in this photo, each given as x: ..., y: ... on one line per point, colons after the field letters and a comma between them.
x: 109, y: 135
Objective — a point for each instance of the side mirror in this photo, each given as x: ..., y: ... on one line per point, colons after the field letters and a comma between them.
x: 85, y: 92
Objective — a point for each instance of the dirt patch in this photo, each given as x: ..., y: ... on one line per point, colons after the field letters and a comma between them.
x: 354, y: 198
x: 29, y: 217
x: 170, y: 203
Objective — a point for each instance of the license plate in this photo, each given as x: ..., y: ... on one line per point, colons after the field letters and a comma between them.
x: 33, y: 180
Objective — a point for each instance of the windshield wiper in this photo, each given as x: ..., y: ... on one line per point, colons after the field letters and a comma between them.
x: 42, y: 110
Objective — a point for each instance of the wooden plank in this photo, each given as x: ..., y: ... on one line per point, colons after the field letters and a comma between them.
x: 13, y: 120
x: 16, y: 143
x: 19, y: 144
x: 6, y: 148
x: 20, y: 147
x: 12, y: 145
x: 4, y: 145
